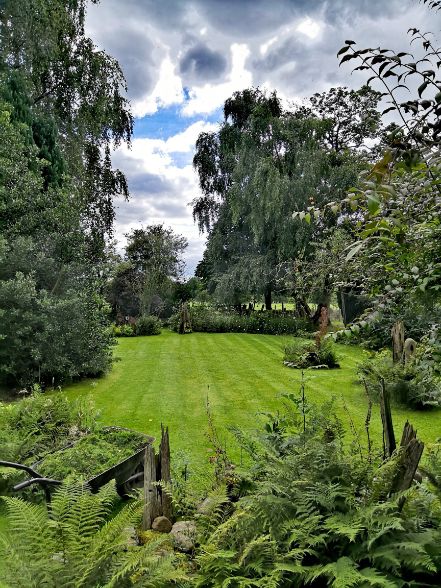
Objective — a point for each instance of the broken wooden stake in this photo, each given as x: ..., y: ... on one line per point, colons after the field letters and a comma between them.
x: 157, y: 502
x: 397, y: 334
x: 411, y: 450
x: 389, y: 443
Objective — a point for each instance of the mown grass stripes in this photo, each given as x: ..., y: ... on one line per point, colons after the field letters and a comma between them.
x: 167, y: 379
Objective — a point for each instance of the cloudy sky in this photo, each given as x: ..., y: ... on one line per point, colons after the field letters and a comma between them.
x: 183, y: 58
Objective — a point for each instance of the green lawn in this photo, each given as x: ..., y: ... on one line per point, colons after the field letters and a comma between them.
x: 168, y: 378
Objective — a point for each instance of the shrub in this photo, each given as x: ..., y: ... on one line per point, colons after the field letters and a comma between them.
x: 208, y: 320
x: 418, y: 320
x: 148, y: 325
x: 305, y: 354
x: 123, y: 330
x: 414, y: 384
x: 318, y: 512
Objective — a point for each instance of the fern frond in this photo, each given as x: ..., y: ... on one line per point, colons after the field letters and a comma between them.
x: 342, y: 573
x: 29, y: 538
x: 146, y: 566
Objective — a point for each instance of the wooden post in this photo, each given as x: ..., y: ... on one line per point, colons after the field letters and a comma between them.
x: 165, y: 475
x: 397, y: 334
x: 150, y: 491
x: 389, y: 442
x: 411, y: 453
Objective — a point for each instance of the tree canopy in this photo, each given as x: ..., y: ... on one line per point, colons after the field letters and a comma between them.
x: 265, y: 162
x: 62, y: 110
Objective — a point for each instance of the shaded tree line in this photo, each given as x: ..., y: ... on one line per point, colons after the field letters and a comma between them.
x: 62, y: 110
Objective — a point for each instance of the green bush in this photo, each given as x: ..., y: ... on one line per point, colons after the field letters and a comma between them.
x: 205, y: 319
x: 305, y: 354
x: 415, y: 384
x: 148, y: 325
x: 418, y: 320
x: 318, y: 512
x: 123, y: 330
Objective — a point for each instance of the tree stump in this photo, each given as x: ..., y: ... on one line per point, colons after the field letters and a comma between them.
x: 156, y: 469
x: 185, y: 323
x: 397, y: 341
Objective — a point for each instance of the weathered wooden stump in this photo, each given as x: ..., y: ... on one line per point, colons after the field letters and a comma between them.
x: 185, y: 322
x: 389, y: 443
x: 411, y: 450
x: 157, y: 502
x: 397, y: 334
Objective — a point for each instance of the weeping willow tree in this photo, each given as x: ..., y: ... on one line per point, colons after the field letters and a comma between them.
x: 263, y: 163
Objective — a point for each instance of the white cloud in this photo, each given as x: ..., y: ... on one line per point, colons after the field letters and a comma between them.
x: 265, y: 46
x: 167, y: 91
x: 207, y: 98
x: 184, y: 142
x: 309, y: 27
x: 153, y: 160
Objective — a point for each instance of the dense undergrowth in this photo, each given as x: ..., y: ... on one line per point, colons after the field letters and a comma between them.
x: 208, y: 320
x: 314, y: 506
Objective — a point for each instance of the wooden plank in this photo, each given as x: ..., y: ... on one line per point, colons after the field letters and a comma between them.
x: 120, y: 472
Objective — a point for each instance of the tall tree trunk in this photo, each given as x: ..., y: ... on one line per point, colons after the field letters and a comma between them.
x: 268, y: 297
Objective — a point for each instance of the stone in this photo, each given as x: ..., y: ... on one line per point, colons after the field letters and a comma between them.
x: 184, y: 535
x: 410, y: 346
x: 206, y: 506
x: 162, y: 525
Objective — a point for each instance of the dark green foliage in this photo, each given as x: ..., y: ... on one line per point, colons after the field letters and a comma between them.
x: 54, y: 324
x: 306, y: 354
x: 318, y: 513
x: 205, y: 319
x: 61, y: 110
x: 148, y: 325
x: 145, y: 282
x: 263, y: 164
x: 420, y: 316
x: 415, y: 384
x: 70, y: 93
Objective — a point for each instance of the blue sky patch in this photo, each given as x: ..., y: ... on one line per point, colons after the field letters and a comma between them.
x: 167, y: 122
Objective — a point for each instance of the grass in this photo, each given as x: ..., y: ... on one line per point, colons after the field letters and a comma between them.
x: 168, y: 379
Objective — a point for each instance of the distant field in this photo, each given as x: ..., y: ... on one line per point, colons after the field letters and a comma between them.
x: 168, y: 378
